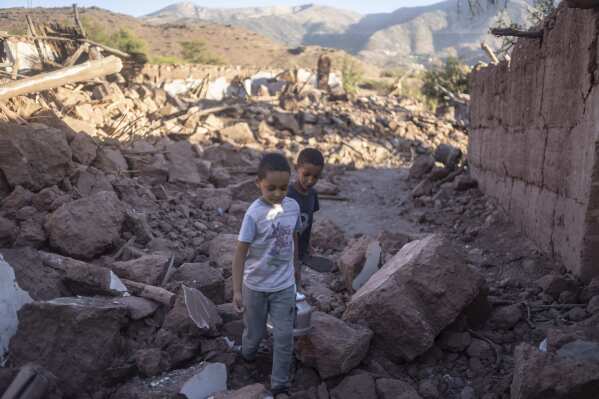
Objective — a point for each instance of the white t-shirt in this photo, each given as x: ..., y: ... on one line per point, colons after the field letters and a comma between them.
x: 269, y: 230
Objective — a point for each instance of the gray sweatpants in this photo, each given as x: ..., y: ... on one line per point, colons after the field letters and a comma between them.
x: 281, y: 307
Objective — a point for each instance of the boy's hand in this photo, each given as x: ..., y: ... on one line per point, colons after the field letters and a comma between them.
x: 238, y: 302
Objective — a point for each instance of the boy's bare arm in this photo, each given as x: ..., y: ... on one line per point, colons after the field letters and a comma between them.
x: 238, y: 264
x: 296, y: 262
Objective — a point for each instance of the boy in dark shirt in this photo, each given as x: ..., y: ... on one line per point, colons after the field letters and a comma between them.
x: 309, y: 166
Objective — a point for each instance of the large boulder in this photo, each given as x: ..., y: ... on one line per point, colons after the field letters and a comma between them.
x: 77, y: 339
x: 8, y: 232
x: 87, y: 227
x: 110, y: 160
x: 148, y: 269
x: 240, y: 133
x: 84, y: 148
x: 419, y: 292
x: 34, y: 157
x: 333, y: 346
x: 562, y: 375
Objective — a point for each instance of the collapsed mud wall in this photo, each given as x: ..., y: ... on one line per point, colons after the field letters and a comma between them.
x: 533, y: 144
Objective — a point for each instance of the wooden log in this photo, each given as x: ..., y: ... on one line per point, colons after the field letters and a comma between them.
x: 50, y: 80
x: 84, y: 278
x: 517, y: 33
x: 75, y: 56
x: 154, y: 293
x: 38, y: 44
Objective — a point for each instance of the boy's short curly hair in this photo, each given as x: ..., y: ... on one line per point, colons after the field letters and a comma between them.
x: 311, y: 156
x: 272, y: 162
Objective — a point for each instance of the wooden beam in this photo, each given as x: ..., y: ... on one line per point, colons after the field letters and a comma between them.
x: 78, y: 21
x: 152, y: 292
x: 75, y: 56
x: 68, y: 39
x: 38, y: 44
x: 50, y: 80
x: 517, y: 33
x: 489, y: 52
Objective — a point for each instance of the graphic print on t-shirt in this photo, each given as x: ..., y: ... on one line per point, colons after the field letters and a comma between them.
x: 305, y: 222
x: 282, y: 244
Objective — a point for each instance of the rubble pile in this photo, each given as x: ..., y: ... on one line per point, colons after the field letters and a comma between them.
x: 119, y: 208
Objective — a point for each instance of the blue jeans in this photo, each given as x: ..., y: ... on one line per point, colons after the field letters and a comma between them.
x: 280, y: 306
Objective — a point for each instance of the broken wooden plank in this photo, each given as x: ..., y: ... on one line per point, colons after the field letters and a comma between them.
x: 151, y: 292
x: 108, y: 49
x: 489, y: 52
x: 32, y: 382
x: 517, y: 33
x: 50, y: 80
x: 75, y: 56
x: 78, y: 21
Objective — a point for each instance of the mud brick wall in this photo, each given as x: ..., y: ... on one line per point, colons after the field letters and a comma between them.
x: 534, y: 140
x: 158, y: 74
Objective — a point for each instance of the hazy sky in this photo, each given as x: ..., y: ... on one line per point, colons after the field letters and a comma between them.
x: 138, y: 8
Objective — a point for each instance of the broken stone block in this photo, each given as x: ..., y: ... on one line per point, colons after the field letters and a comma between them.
x: 222, y: 250
x: 538, y: 373
x: 12, y: 298
x: 352, y: 259
x: 421, y: 166
x: 203, y: 277
x: 8, y: 232
x: 137, y: 223
x: 46, y: 199
x: 84, y: 148
x: 33, y: 157
x: 148, y: 269
x: 245, y: 190
x: 420, y: 291
x: 455, y: 341
x: 139, y: 308
x: 18, y: 198
x: 395, y: 389
x: 82, y: 278
x: 151, y: 362
x: 465, y: 182
x: 287, y: 121
x: 448, y: 155
x: 77, y: 339
x: 360, y: 386
x: 110, y: 160
x: 554, y: 285
x: 182, y: 167
x: 326, y: 235
x: 193, y: 314
x: 240, y: 133
x: 91, y: 181
x: 31, y: 233
x: 86, y: 227
x: 333, y: 347
x: 505, y: 317
x: 212, y: 199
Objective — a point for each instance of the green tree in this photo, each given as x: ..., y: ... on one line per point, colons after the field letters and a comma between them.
x: 352, y: 74
x: 453, y: 76
x: 196, y: 52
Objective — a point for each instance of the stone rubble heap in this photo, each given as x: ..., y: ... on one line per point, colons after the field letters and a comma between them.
x: 118, y: 213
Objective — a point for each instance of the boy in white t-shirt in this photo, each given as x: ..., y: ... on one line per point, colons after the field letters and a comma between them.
x: 266, y: 261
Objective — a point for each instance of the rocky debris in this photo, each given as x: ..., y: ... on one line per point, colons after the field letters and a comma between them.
x: 33, y: 381
x: 222, y: 250
x: 86, y: 227
x: 327, y: 236
x: 554, y: 285
x: 239, y: 133
x: 455, y: 341
x: 182, y: 166
x: 360, y: 386
x: 201, y: 276
x: 84, y: 148
x: 395, y: 389
x: 77, y: 339
x: 537, y: 373
x: 422, y: 165
x: 34, y: 157
x: 8, y: 232
x: 448, y: 155
x: 110, y: 160
x: 352, y: 259
x: 420, y: 291
x: 148, y: 269
x: 333, y: 347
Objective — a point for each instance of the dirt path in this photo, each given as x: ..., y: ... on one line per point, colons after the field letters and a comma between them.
x: 372, y: 207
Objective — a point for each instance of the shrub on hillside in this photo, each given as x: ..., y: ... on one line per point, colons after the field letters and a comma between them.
x: 195, y: 52
x: 452, y: 76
